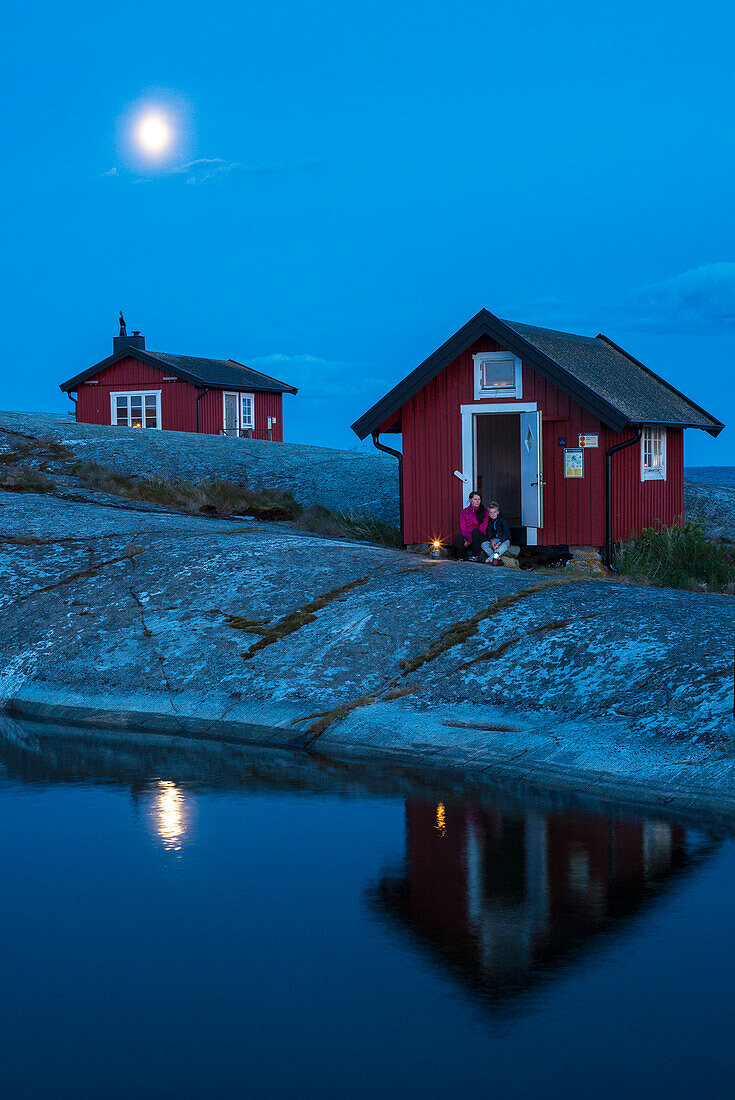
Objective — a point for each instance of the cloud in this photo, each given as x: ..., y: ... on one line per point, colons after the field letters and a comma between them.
x: 319, y: 379
x: 701, y: 298
x: 111, y: 172
x: 205, y: 168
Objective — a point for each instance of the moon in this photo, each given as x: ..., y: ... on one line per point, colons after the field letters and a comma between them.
x: 154, y: 133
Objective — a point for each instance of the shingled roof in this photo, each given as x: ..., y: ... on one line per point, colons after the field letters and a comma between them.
x: 202, y: 372
x: 593, y: 370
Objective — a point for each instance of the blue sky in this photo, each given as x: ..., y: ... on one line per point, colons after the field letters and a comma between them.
x: 353, y: 182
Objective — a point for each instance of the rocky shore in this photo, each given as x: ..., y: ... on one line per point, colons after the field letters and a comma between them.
x: 130, y: 617
x: 205, y: 628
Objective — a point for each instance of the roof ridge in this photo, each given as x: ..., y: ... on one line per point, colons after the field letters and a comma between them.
x: 632, y: 359
x: 201, y: 358
x: 540, y: 328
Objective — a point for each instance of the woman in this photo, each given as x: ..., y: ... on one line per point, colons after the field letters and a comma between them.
x: 473, y: 530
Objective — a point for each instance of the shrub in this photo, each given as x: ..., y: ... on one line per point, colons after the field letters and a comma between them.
x: 211, y: 497
x: 25, y: 479
x: 219, y: 497
x: 348, y: 525
x: 678, y: 557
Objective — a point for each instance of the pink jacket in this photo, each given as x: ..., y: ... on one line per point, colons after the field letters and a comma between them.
x: 468, y: 522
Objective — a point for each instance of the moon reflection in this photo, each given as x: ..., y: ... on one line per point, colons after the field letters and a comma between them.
x: 170, y: 815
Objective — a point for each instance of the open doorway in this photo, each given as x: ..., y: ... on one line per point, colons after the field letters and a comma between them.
x: 498, y: 462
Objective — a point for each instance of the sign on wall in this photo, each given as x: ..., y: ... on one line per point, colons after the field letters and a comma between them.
x: 589, y: 439
x: 573, y: 462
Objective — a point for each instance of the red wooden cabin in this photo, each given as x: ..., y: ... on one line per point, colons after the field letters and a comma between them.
x: 136, y: 388
x: 578, y: 441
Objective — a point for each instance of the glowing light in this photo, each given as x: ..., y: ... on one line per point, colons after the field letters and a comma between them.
x: 441, y: 819
x: 154, y: 133
x: 169, y: 815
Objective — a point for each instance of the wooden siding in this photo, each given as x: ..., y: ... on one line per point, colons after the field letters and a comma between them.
x: 269, y: 404
x: 266, y: 404
x: 574, y: 509
x: 178, y: 399
x: 638, y: 504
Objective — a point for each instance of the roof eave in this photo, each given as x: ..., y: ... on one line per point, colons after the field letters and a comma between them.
x: 713, y: 429
x: 285, y: 387
x: 128, y: 353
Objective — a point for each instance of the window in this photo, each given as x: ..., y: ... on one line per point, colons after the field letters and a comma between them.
x: 247, y: 410
x: 653, y: 454
x: 136, y: 410
x: 497, y: 374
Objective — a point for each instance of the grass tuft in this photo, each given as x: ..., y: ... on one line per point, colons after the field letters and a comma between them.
x: 678, y: 557
x: 24, y: 479
x: 348, y: 525
x: 211, y: 497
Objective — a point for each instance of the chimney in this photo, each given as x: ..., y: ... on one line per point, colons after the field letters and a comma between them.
x: 119, y: 343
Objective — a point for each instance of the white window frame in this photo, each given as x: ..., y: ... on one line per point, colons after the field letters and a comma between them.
x: 135, y: 393
x: 481, y: 392
x: 243, y: 425
x: 649, y: 472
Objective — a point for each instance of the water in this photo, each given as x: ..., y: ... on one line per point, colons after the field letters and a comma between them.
x: 193, y: 920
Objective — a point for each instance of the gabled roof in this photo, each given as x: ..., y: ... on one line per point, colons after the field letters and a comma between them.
x: 202, y: 372
x: 592, y: 370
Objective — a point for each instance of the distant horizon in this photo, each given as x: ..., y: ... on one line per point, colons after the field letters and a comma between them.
x: 358, y: 445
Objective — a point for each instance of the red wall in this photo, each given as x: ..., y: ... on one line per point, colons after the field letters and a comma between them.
x: 178, y: 400
x: 574, y: 509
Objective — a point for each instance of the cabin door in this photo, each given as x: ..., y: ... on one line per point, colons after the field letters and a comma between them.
x: 532, y: 486
x: 498, y: 463
x: 230, y: 420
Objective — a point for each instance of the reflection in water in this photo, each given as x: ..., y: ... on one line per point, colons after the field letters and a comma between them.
x: 505, y: 891
x: 170, y: 814
x: 505, y: 897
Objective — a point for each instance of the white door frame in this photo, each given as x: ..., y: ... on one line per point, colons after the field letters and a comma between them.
x: 469, y: 456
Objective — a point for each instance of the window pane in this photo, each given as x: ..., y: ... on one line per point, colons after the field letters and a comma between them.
x: 150, y: 400
x: 122, y: 404
x: 150, y: 418
x: 122, y: 418
x: 653, y: 445
x: 136, y: 401
x: 498, y: 373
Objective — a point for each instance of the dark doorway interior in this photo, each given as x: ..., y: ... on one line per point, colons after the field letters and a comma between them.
x: 499, y: 462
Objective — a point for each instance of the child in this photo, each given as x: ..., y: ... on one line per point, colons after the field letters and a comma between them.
x: 498, y: 534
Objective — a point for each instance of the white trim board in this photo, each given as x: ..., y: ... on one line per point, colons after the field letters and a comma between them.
x: 468, y: 434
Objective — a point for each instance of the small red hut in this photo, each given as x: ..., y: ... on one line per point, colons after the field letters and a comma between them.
x: 578, y: 441
x: 136, y: 388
